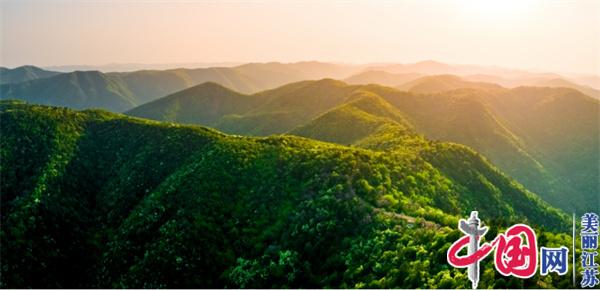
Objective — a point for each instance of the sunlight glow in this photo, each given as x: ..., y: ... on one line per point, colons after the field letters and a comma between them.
x: 495, y: 10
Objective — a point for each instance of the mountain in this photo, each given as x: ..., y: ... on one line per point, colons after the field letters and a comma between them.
x: 540, y: 136
x: 247, y: 78
x: 151, y: 85
x: 23, y: 73
x: 491, y: 74
x: 504, y: 125
x: 130, y: 67
x: 562, y: 83
x: 202, y: 104
x: 366, y: 112
x: 440, y: 83
x: 95, y: 199
x: 592, y: 81
x: 268, y: 112
x: 462, y: 119
x: 80, y: 90
x: 552, y: 81
x: 382, y: 78
x: 559, y: 126
x: 428, y: 67
x: 140, y: 87
x: 287, y: 107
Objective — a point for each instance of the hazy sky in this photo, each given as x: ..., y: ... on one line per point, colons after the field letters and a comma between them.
x: 550, y: 35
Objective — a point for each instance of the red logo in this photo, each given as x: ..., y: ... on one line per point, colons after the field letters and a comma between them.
x: 515, y: 250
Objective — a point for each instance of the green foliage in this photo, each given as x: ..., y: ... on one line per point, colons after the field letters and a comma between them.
x: 542, y: 137
x: 93, y: 199
x: 201, y: 104
x: 80, y: 90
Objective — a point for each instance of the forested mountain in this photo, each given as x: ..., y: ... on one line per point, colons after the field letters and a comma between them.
x: 120, y: 91
x: 287, y: 107
x: 361, y: 118
x: 23, y: 73
x: 80, y: 90
x: 128, y: 202
x: 520, y: 130
x: 202, y: 104
x: 517, y: 129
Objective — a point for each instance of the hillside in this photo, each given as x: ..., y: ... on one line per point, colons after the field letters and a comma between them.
x: 202, y: 104
x: 121, y: 91
x: 366, y: 112
x: 127, y: 202
x: 502, y: 124
x: 23, y: 73
x: 520, y: 130
x: 441, y: 83
x: 382, y: 78
x: 287, y: 107
x: 562, y: 83
x: 79, y: 90
x: 268, y: 112
x: 559, y: 126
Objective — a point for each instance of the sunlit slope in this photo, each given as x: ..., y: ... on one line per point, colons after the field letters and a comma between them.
x: 520, y: 130
x: 361, y: 117
x: 544, y: 137
x: 441, y: 83
x: 382, y: 78
x: 562, y: 83
x: 370, y: 122
x: 288, y: 107
x: 560, y: 128
x: 587, y: 86
x: 110, y: 201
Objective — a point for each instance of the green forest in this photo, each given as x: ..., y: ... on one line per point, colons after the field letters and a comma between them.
x: 206, y: 144
x: 98, y: 199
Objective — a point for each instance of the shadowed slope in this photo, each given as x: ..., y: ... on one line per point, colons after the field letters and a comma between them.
x: 80, y: 90
x: 203, y: 104
x: 23, y: 73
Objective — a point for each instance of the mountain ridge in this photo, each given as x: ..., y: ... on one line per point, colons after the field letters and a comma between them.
x: 120, y: 199
x: 482, y: 119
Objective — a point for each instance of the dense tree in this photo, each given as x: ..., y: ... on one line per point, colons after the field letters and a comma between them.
x: 94, y: 199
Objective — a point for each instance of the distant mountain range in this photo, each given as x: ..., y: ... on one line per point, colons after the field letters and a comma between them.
x: 544, y: 137
x: 23, y: 74
x: 120, y: 91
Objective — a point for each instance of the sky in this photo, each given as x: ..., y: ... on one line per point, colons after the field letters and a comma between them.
x: 558, y: 36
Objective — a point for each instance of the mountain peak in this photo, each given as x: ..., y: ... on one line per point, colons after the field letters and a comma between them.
x: 329, y: 82
x: 24, y: 73
x: 207, y: 88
